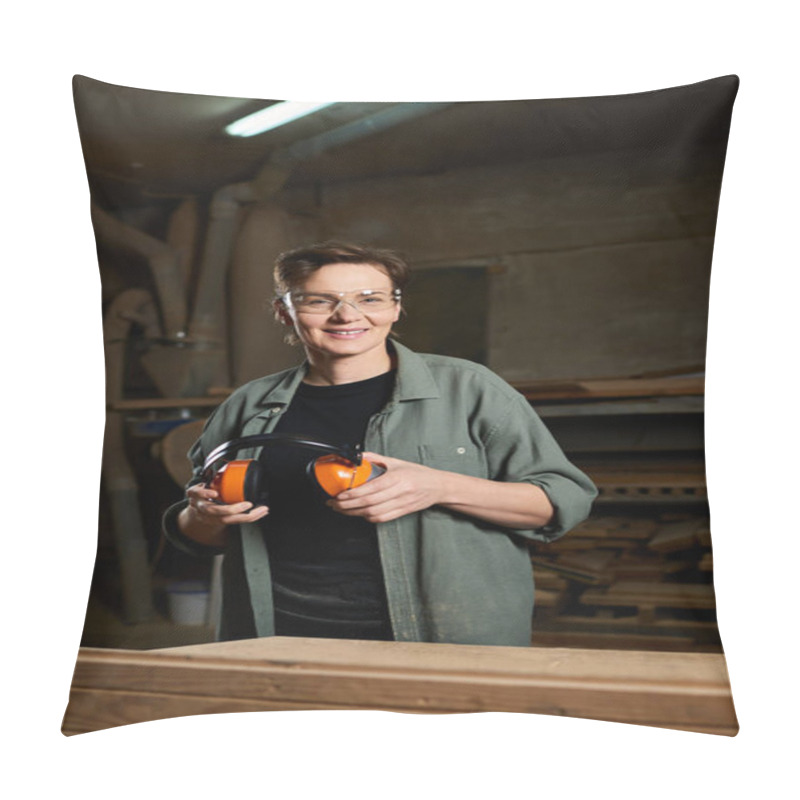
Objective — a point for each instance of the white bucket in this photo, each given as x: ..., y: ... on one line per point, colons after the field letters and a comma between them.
x: 188, y: 602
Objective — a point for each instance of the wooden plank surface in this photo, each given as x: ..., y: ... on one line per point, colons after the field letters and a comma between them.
x: 687, y: 691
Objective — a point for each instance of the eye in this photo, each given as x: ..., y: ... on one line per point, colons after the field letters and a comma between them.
x: 315, y: 300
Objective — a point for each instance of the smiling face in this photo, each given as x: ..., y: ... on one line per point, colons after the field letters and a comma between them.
x: 359, y: 337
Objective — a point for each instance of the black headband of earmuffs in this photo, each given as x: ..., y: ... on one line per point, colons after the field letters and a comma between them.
x: 351, y: 453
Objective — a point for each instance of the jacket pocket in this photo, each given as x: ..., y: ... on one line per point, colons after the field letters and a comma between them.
x: 466, y: 459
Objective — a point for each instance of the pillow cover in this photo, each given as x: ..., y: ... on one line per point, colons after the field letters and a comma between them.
x: 565, y: 244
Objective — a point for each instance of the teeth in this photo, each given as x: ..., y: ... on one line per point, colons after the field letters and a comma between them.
x: 346, y: 333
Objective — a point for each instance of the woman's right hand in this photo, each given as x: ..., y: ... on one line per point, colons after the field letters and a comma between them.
x: 207, y: 522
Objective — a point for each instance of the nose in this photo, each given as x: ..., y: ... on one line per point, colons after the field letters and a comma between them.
x: 346, y: 309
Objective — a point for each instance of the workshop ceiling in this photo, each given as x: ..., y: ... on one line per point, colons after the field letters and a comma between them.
x: 142, y: 145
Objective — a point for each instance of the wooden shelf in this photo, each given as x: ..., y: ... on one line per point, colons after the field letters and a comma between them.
x: 692, y: 385
x: 156, y: 403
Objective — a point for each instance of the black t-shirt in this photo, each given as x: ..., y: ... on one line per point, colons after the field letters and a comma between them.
x: 326, y: 571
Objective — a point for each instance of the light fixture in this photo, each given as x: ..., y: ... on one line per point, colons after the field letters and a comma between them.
x: 272, y: 117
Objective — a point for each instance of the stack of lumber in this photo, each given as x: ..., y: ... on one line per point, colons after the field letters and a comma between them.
x: 627, y: 582
x: 651, y: 480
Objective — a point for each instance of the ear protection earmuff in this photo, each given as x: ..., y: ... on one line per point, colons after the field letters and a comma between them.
x: 343, y: 467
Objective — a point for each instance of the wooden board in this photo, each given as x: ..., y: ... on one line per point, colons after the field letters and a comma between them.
x: 619, y: 387
x: 615, y: 528
x: 585, y: 567
x: 576, y: 542
x: 686, y: 691
x: 666, y: 625
x: 148, y: 403
x: 648, y: 594
x: 676, y: 536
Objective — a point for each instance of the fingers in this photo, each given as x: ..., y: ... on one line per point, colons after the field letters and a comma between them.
x: 377, y: 490
x: 209, y: 512
x: 242, y: 512
x: 401, y: 477
x: 387, y: 508
x: 403, y: 489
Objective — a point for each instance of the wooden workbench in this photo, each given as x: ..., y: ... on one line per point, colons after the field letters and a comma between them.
x: 687, y: 691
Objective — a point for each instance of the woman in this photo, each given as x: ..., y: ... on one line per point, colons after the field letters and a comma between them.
x: 434, y: 549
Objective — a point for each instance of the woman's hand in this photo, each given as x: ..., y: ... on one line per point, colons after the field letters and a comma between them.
x: 405, y: 487
x: 207, y: 522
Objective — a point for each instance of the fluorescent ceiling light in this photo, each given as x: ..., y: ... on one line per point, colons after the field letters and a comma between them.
x: 272, y: 117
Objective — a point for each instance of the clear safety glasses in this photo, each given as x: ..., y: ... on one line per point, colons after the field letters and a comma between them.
x: 365, y: 301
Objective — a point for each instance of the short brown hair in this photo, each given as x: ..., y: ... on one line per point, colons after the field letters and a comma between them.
x: 293, y: 267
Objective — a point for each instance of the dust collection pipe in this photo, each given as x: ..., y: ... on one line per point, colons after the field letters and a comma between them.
x: 208, y: 314
x: 266, y: 226
x: 358, y: 129
x: 182, y: 237
x: 163, y: 261
x: 132, y: 305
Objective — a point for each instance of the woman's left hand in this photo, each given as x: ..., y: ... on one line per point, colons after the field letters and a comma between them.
x: 405, y: 487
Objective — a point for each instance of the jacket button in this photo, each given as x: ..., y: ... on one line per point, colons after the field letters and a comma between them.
x: 461, y: 450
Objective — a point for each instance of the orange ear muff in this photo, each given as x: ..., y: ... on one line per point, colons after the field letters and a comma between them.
x: 245, y: 480
x: 335, y: 474
x: 237, y: 481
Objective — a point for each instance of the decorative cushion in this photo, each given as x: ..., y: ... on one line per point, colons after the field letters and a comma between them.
x: 566, y: 244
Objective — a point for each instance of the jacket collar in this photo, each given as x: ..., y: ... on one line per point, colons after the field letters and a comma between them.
x: 414, y: 379
x: 283, y: 391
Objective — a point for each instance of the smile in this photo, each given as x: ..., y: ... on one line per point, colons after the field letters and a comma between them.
x: 347, y: 333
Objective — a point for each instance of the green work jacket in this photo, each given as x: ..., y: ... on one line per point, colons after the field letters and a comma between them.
x: 449, y: 577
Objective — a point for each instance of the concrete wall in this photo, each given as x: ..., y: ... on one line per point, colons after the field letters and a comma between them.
x: 599, y: 263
